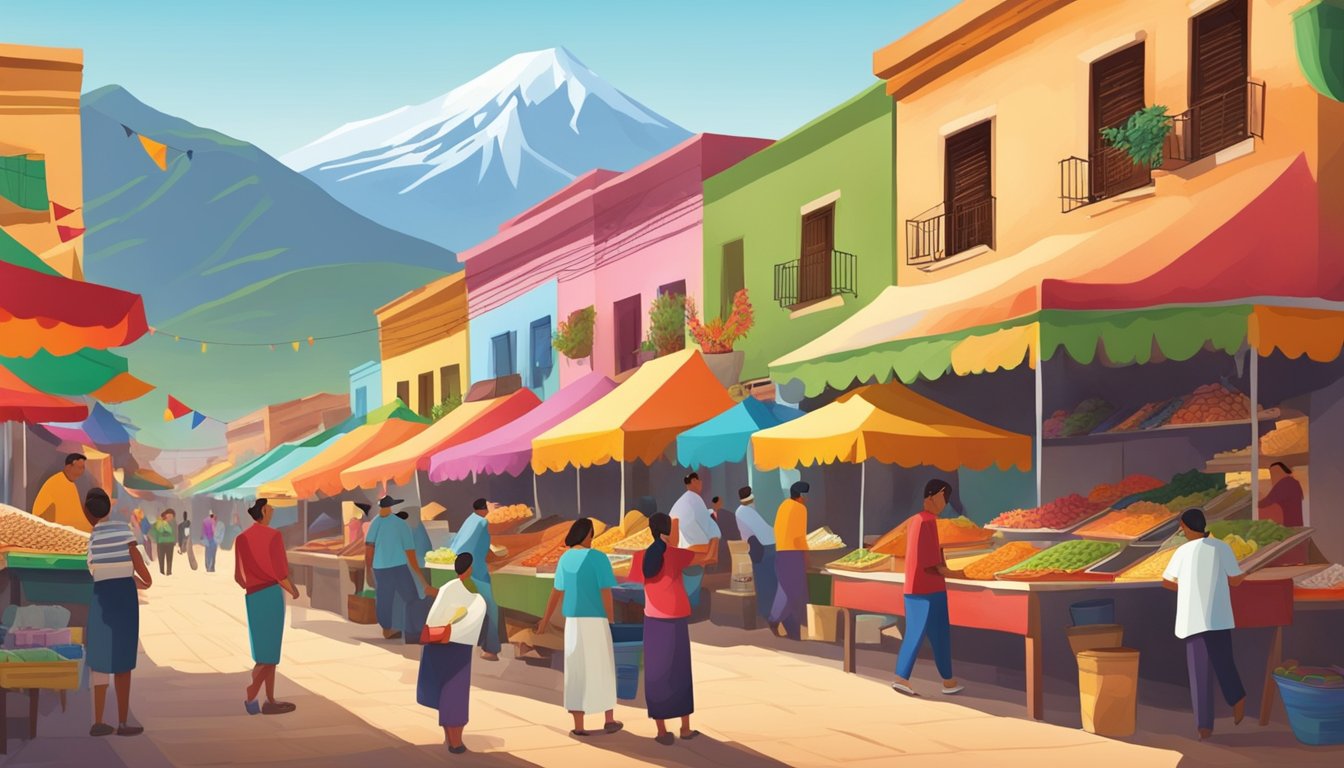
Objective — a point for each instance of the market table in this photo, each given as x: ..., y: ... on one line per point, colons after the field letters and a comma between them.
x: 1014, y: 607
x: 42, y: 577
x: 332, y: 579
x: 32, y: 677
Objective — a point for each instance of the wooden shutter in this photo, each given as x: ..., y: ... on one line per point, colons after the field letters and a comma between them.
x: 450, y: 381
x: 814, y: 268
x: 426, y: 382
x: 969, y: 183
x: 1219, y: 67
x: 1117, y: 93
x: 626, y: 314
x: 733, y: 278
x: 404, y: 393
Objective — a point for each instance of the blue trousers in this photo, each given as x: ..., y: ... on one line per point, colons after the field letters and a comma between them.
x: 490, y: 632
x: 766, y: 582
x: 211, y: 549
x: 926, y: 616
x: 691, y: 579
x: 1209, y: 657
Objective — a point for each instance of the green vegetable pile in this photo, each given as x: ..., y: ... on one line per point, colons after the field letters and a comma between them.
x: 441, y: 556
x: 1087, y: 416
x: 1068, y: 557
x: 860, y: 557
x: 1320, y: 677
x: 1262, y: 532
x: 1182, y: 503
x: 1184, y: 484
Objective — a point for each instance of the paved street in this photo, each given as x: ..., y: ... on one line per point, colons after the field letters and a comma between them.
x: 762, y: 704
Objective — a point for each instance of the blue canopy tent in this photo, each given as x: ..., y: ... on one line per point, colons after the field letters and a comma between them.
x: 726, y: 438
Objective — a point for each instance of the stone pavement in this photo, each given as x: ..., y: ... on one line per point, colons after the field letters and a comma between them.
x: 760, y: 702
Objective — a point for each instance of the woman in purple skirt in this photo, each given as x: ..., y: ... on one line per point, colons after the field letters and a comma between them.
x: 451, y: 631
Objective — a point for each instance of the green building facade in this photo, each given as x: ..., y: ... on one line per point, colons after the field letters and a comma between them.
x: 806, y: 226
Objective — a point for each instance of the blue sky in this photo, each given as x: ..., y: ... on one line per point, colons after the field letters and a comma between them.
x: 280, y: 73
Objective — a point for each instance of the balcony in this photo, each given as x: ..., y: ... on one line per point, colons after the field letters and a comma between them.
x: 1110, y: 172
x: 1217, y: 123
x: 810, y: 279
x: 934, y: 236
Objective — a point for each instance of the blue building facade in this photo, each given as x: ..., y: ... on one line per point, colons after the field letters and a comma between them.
x: 515, y: 337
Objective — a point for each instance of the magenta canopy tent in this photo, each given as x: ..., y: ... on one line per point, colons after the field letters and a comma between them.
x: 508, y: 450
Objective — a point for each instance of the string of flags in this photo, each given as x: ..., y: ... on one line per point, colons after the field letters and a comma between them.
x: 177, y: 409
x: 157, y: 150
x: 295, y: 344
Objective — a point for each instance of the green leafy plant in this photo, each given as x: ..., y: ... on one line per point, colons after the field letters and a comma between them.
x: 446, y: 407
x: 647, y: 346
x: 574, y: 337
x: 720, y: 334
x: 667, y: 324
x: 1142, y: 136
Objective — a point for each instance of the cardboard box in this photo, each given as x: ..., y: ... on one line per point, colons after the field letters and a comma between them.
x: 734, y: 609
x: 823, y: 623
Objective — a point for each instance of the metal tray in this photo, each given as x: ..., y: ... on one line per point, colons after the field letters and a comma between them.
x: 1267, y: 555
x: 1086, y: 574
x: 1031, y: 531
x: 1124, y: 539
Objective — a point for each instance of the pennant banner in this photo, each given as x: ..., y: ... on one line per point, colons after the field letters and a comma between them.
x: 176, y: 409
x: 197, y: 419
x: 158, y: 152
x: 68, y: 233
x: 60, y: 211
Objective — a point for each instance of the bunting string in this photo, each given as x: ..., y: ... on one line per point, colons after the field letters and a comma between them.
x: 297, y: 344
x: 156, y: 150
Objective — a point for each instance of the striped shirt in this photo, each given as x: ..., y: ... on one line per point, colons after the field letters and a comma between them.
x: 109, y: 551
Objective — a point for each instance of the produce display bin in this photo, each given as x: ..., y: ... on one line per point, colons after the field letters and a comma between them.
x: 1315, y: 714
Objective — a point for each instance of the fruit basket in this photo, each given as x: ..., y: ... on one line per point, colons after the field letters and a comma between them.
x: 1066, y: 561
x: 507, y: 519
x: 864, y: 560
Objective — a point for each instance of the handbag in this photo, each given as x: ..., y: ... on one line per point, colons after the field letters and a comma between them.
x: 434, y: 635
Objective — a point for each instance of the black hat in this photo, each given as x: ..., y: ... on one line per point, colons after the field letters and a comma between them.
x: 363, y: 507
x: 388, y: 501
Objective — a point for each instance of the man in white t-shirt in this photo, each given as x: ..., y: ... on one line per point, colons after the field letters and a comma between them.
x: 697, y: 529
x: 1202, y: 572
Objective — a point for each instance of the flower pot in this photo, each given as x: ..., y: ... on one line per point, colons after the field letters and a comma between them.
x: 644, y: 356
x: 727, y: 366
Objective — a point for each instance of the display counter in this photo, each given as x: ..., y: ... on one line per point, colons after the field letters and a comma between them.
x: 329, y: 580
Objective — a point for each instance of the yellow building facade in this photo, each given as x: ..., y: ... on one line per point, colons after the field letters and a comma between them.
x: 423, y: 344
x: 40, y: 157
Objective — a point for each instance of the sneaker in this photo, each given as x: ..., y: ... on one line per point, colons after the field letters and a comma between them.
x: 458, y: 750
x: 903, y: 688
x: 129, y: 730
x: 954, y: 690
x: 252, y: 707
x: 102, y: 729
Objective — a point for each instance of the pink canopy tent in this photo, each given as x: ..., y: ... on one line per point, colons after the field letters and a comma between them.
x: 508, y: 450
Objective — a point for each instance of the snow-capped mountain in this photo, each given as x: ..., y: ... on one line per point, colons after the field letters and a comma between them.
x: 452, y: 169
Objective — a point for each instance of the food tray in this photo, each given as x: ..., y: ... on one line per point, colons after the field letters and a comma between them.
x: 503, y: 529
x: 1318, y: 595
x: 1266, y: 555
x: 1123, y: 538
x: 1029, y: 531
x: 886, y: 563
x: 1084, y: 574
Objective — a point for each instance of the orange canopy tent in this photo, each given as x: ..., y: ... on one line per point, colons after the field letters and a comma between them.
x: 466, y: 422
x: 386, y: 427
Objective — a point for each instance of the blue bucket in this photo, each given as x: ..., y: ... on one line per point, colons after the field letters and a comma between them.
x: 628, y: 657
x: 1092, y: 612
x: 627, y: 633
x: 1315, y: 714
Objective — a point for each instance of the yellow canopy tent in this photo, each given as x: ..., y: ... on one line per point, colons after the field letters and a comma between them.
x: 893, y: 425
x: 638, y: 419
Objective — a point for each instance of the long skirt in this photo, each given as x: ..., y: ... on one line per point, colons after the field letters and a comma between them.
x: 667, y: 668
x: 266, y: 623
x: 767, y: 582
x: 114, y: 626
x: 445, y: 682
x: 394, y: 587
x: 590, y: 666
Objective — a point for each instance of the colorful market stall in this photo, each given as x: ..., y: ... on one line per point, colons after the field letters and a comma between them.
x: 726, y: 438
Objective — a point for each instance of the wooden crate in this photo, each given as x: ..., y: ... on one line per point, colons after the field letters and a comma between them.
x: 362, y: 610
x: 54, y: 675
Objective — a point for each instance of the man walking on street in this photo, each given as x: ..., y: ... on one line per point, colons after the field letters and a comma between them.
x: 391, y: 567
x: 165, y: 537
x: 1202, y: 573
x: 760, y: 538
x: 788, y: 614
x: 211, y: 544
x: 474, y: 538
x: 926, y: 575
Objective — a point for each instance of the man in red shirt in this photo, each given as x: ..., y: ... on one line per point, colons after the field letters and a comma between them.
x: 926, y: 593
x: 261, y: 568
x: 1283, y: 503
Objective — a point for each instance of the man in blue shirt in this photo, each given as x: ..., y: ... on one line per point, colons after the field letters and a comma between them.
x: 389, y: 555
x: 474, y: 537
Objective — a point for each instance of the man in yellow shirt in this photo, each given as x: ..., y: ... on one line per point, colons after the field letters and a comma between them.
x: 789, y: 611
x: 58, y: 501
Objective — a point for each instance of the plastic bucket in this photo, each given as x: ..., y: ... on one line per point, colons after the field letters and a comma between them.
x: 628, y: 657
x: 1315, y: 714
x: 1108, y: 687
x: 1093, y: 636
x: 626, y: 633
x: 1092, y: 612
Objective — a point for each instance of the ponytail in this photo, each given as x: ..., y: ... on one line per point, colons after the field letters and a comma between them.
x: 661, y: 526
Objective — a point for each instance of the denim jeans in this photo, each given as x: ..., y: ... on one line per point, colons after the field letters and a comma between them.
x: 926, y: 616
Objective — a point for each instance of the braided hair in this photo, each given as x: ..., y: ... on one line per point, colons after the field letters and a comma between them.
x: 661, y: 526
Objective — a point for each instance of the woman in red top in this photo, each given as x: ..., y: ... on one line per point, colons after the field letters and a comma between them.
x: 667, y: 639
x: 926, y: 593
x: 261, y: 568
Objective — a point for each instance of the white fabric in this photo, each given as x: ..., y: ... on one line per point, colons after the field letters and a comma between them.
x: 750, y: 523
x: 590, y: 666
x: 697, y: 526
x: 1201, y: 569
x: 452, y: 596
x: 110, y: 571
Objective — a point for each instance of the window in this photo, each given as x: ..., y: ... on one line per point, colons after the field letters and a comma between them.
x: 426, y: 386
x: 450, y: 382
x: 733, y: 278
x: 404, y: 393
x: 968, y: 195
x: 1117, y: 93
x: 1219, y: 68
x: 814, y: 264
x: 23, y: 181
x: 543, y: 358
x: 503, y: 361
x: 361, y: 401
x: 626, y: 314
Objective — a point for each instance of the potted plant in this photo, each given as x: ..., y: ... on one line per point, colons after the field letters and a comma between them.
x: 574, y: 336
x: 717, y: 337
x: 1142, y: 136
x: 667, y: 325
x: 646, y: 352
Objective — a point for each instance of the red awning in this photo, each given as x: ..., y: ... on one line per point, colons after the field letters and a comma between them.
x: 41, y: 311
x: 20, y: 402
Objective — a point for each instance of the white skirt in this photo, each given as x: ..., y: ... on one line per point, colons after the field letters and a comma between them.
x: 590, y: 666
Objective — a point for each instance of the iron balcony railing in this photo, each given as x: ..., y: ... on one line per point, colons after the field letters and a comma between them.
x: 1101, y: 175
x: 797, y: 282
x: 1217, y: 123
x: 934, y: 235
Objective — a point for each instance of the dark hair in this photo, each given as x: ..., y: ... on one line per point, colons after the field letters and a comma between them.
x: 73, y: 457
x: 462, y: 563
x: 168, y: 511
x: 937, y: 486
x: 1193, y: 518
x: 403, y: 514
x: 798, y: 489
x: 661, y: 526
x: 479, y: 504
x: 258, y: 509
x: 97, y: 504
x: 714, y: 500
x: 580, y: 530
x: 744, y: 492
x: 1282, y: 466
x: 688, y: 478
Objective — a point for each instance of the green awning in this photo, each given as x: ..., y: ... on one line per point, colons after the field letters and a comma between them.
x: 14, y: 252
x: 82, y: 373
x: 1318, y: 27
x: 23, y: 181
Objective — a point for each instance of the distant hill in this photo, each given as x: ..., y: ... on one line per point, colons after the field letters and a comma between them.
x: 452, y: 169
x: 233, y: 246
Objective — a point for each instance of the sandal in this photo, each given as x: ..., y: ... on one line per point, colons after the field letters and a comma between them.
x: 458, y: 750
x: 689, y: 736
x: 666, y: 739
x: 580, y: 734
x: 277, y: 708
x: 102, y: 729
x: 613, y: 727
x: 129, y: 730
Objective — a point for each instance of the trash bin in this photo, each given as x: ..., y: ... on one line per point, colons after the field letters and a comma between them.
x: 1092, y: 636
x: 1108, y: 685
x: 1093, y: 612
x: 628, y: 644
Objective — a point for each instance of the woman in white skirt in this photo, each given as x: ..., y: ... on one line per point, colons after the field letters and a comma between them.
x: 583, y: 581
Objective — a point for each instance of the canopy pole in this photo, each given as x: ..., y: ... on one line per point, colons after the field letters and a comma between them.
x: 1040, y: 413
x: 1255, y: 434
x: 621, y: 511
x: 863, y: 487
x: 578, y: 491
x: 751, y: 470
x: 23, y: 492
x: 536, y: 499
x: 418, y: 499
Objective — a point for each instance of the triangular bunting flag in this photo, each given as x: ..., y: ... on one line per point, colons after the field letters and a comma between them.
x: 68, y: 233
x: 295, y: 344
x: 158, y: 152
x: 61, y: 211
x: 189, y: 154
x: 167, y: 415
x: 197, y: 419
x: 176, y: 408
x: 129, y: 132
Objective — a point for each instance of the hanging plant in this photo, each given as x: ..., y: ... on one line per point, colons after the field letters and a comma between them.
x: 574, y: 337
x: 720, y: 334
x: 1142, y: 136
x: 667, y: 324
x: 446, y: 407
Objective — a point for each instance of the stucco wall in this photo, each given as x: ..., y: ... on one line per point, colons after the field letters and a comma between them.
x: 516, y: 316
x: 452, y: 350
